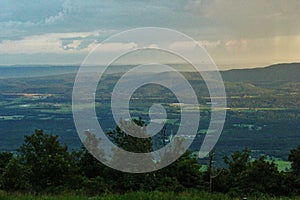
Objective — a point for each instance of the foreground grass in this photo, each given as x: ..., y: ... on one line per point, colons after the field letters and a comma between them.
x: 128, y: 196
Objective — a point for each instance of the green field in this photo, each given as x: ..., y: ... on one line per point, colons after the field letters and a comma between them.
x: 282, y: 165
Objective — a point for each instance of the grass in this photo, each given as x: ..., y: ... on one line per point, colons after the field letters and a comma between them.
x: 129, y: 196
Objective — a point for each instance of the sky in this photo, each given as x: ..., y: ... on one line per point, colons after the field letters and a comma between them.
x: 236, y: 33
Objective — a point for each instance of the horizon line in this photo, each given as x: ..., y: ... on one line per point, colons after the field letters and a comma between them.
x: 120, y: 65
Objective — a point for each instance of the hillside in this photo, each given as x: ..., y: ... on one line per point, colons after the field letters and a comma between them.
x: 274, y: 74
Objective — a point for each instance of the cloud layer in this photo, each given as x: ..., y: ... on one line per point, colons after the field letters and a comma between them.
x: 231, y: 30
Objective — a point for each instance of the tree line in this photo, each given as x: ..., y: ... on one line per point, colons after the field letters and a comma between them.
x: 43, y: 165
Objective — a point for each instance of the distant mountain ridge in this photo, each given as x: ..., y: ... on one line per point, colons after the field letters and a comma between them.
x: 279, y: 73
x: 8, y: 72
x: 274, y: 74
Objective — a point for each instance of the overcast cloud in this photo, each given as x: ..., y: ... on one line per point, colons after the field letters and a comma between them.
x: 240, y: 32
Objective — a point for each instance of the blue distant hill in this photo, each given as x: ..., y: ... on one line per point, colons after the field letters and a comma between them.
x: 279, y: 73
x: 34, y: 71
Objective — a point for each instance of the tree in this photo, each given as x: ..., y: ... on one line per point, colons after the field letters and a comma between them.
x: 238, y: 162
x: 15, y: 176
x: 211, y: 172
x: 96, y: 178
x: 128, y: 181
x: 5, y: 157
x: 292, y: 178
x: 129, y: 143
x: 251, y: 177
x: 48, y: 161
x: 294, y: 157
x: 261, y: 176
x: 184, y: 173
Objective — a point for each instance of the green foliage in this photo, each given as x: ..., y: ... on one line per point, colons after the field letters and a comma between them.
x: 257, y: 174
x: 42, y: 164
x: 185, y: 173
x: 128, y: 142
x: 294, y: 157
x: 46, y: 159
x: 238, y: 162
x: 230, y: 180
x: 94, y: 186
x: 15, y: 176
x: 250, y: 177
x: 154, y: 195
x: 292, y: 179
x: 5, y: 157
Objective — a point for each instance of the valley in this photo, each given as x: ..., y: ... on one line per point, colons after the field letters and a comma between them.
x: 263, y: 111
